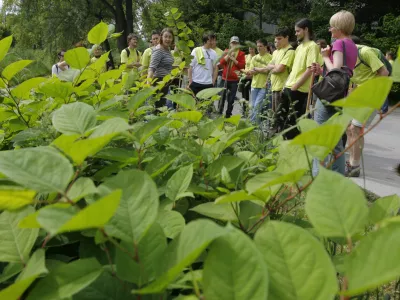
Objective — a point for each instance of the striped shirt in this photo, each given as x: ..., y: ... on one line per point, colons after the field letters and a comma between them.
x: 161, y: 62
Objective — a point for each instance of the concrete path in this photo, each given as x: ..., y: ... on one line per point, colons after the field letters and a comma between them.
x: 381, y: 156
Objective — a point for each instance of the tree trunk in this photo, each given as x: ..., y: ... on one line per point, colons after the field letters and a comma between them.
x: 129, y: 16
x: 120, y: 24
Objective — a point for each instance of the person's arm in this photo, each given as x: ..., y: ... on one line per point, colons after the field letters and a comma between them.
x: 278, y: 69
x: 190, y: 71
x: 337, y: 57
x: 372, y: 60
x: 382, y: 71
x: 240, y: 60
x: 302, y: 79
x: 215, y: 74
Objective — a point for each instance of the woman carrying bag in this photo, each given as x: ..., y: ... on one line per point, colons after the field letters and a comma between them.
x: 340, y: 61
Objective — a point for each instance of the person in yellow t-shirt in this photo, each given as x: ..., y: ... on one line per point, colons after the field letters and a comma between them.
x: 146, y: 57
x: 246, y: 81
x: 97, y: 53
x: 280, y: 65
x: 260, y: 76
x: 298, y: 83
x: 130, y: 56
x: 220, y: 54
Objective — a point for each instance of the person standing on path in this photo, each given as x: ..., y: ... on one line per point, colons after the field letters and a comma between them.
x: 60, y: 66
x: 203, y: 70
x: 130, y: 56
x: 161, y: 63
x: 368, y: 66
x: 260, y: 76
x: 145, y: 60
x: 298, y: 83
x: 232, y: 62
x: 246, y: 82
x: 342, y: 54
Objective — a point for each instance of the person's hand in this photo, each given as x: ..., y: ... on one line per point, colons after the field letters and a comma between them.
x: 294, y: 88
x: 137, y: 64
x: 257, y: 70
x: 326, y: 52
x: 316, y: 68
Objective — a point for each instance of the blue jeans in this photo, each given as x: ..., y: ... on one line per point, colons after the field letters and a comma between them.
x: 321, y: 115
x: 385, y: 106
x: 257, y: 98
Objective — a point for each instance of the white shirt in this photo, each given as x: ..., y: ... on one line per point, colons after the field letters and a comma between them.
x: 55, y: 70
x: 203, y: 74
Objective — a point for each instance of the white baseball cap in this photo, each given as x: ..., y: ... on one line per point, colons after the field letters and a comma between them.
x: 234, y: 39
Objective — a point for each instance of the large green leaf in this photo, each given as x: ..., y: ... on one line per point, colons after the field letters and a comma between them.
x: 140, y: 97
x: 34, y: 267
x: 194, y: 116
x: 235, y: 269
x: 374, y: 261
x: 138, y: 207
x: 149, y: 253
x: 383, y: 208
x: 336, y: 206
x: 298, y: 265
x: 14, y: 68
x: 291, y: 158
x: 66, y: 280
x: 112, y: 74
x: 5, y: 45
x: 172, y: 222
x: 12, y: 199
x: 206, y: 129
x: 194, y: 239
x: 150, y: 128
x: 208, y: 93
x: 42, y: 169
x: 222, y: 212
x: 77, y: 58
x: 106, y: 287
x: 74, y: 118
x: 11, y: 270
x: 229, y: 162
x: 22, y: 91
x: 99, y: 65
x: 98, y: 33
x: 370, y: 94
x: 95, y: 215
x: 61, y: 217
x: 16, y: 243
x: 183, y: 99
x: 110, y: 126
x: 79, y: 149
x: 235, y: 197
x: 321, y: 140
x: 268, y: 179
x: 179, y: 182
x: 57, y: 89
x: 81, y: 188
x: 396, y: 68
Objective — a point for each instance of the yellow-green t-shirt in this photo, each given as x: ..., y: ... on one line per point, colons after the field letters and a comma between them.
x: 306, y: 54
x: 134, y: 56
x: 132, y: 74
x: 248, y: 58
x: 284, y: 56
x: 362, y: 72
x: 259, y: 80
x: 391, y: 61
x: 219, y: 52
x: 146, y: 57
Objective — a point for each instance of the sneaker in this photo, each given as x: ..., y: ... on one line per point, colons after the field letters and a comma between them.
x: 352, y: 171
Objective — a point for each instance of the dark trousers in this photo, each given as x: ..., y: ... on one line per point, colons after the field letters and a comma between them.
x: 164, y: 91
x: 197, y: 87
x: 293, y: 106
x: 231, y: 89
x: 246, y: 89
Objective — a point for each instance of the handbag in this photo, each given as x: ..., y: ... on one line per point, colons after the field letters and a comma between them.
x: 335, y: 84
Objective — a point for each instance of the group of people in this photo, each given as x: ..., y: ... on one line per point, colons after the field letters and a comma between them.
x: 284, y: 75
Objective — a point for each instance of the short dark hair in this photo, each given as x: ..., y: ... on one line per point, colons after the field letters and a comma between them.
x: 262, y: 41
x: 60, y: 53
x: 132, y: 36
x: 284, y: 32
x: 306, y: 23
x: 322, y: 43
x: 356, y: 39
x: 208, y: 36
x: 391, y: 54
x: 155, y: 32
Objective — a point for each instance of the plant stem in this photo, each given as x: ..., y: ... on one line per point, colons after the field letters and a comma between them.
x: 308, y: 161
x: 195, y: 285
x: 46, y: 239
x: 345, y: 280
x: 116, y: 244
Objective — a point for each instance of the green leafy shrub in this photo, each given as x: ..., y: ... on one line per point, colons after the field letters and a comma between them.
x: 102, y: 200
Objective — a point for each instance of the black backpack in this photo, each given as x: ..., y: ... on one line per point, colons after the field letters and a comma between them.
x: 128, y: 52
x: 381, y: 57
x: 335, y: 84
